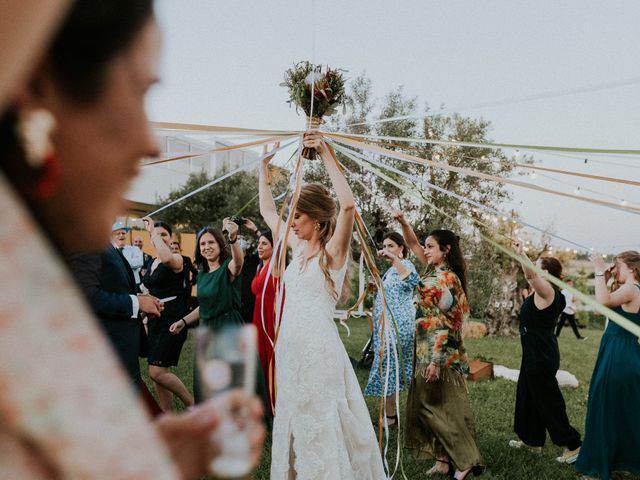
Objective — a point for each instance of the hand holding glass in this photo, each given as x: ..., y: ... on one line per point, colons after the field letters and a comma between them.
x: 226, y: 360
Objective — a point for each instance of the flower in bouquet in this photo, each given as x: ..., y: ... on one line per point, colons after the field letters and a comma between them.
x: 317, y: 90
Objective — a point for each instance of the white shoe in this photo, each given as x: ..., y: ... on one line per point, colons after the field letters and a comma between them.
x: 521, y: 444
x: 569, y: 456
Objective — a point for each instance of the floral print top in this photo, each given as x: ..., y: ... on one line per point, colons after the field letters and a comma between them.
x: 442, y: 309
x: 67, y: 410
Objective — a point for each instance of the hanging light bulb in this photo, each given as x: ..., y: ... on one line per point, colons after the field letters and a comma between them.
x: 623, y: 202
x: 577, y: 191
x: 532, y: 175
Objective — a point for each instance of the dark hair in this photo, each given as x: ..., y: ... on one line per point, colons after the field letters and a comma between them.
x: 454, y: 257
x: 201, y: 262
x: 165, y: 225
x: 553, y: 266
x: 91, y: 35
x: 398, y: 240
x: 268, y: 235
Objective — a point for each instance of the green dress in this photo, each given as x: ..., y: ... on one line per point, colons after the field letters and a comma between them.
x: 219, y: 301
x: 612, y: 429
x: 219, y: 298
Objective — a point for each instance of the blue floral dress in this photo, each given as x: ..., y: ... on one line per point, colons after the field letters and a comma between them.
x: 399, y: 294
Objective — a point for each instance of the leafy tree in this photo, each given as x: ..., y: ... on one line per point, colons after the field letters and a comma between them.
x: 376, y: 198
x: 224, y: 199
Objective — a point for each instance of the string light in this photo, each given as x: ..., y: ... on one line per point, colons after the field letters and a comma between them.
x: 577, y: 191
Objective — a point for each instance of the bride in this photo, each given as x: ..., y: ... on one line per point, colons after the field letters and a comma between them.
x: 322, y: 428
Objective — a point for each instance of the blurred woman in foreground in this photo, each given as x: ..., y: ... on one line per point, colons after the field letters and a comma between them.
x: 71, y: 141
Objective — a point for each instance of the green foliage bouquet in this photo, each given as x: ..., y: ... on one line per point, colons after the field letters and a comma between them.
x: 325, y: 85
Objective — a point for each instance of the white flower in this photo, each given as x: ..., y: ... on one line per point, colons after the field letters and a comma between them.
x: 313, y: 77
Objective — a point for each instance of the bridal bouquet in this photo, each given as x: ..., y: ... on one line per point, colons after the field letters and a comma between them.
x: 325, y: 85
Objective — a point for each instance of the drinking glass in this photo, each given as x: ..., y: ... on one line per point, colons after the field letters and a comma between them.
x: 226, y: 360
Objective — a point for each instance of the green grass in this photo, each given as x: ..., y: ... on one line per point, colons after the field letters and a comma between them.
x: 492, y: 402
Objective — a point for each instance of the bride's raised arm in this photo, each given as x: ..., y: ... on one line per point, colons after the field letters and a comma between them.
x: 338, y: 246
x: 267, y: 203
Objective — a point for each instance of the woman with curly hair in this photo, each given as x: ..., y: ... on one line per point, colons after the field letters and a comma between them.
x: 439, y: 421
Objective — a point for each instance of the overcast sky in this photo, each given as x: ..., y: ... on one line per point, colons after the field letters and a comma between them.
x: 223, y: 61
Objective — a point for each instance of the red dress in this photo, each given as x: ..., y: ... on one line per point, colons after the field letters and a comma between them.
x: 265, y: 324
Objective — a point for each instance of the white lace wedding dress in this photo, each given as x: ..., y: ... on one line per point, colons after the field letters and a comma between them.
x: 322, y: 428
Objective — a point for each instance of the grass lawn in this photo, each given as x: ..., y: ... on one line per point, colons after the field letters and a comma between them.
x: 492, y: 402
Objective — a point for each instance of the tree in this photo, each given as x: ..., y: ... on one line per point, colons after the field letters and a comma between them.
x: 376, y: 197
x: 224, y: 199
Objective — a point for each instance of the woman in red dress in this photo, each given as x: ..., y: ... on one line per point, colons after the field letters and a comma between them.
x: 264, y: 312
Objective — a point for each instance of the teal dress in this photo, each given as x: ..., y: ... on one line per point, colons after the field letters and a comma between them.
x: 612, y: 429
x: 219, y: 298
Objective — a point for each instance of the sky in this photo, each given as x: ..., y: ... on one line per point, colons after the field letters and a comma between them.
x: 223, y: 61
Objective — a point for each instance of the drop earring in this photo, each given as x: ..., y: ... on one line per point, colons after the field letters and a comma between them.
x: 34, y: 130
x: 317, y: 226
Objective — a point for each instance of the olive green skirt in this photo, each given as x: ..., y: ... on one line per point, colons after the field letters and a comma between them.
x: 439, y: 421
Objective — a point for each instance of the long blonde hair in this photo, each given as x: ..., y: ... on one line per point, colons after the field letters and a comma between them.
x: 631, y: 259
x: 316, y: 201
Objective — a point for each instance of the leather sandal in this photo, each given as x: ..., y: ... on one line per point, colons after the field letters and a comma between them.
x: 436, y: 469
x: 392, y: 420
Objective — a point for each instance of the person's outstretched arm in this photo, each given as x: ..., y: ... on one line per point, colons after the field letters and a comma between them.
x: 267, y: 203
x: 163, y: 251
x: 338, y: 245
x: 237, y: 257
x: 622, y: 295
x: 410, y: 237
x: 541, y: 287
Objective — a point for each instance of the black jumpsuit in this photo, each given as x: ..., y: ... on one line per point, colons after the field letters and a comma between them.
x: 539, y: 402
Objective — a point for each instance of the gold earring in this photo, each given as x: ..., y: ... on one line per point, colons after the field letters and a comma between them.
x: 34, y: 129
x: 317, y: 226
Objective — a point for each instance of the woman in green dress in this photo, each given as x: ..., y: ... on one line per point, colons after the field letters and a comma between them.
x: 439, y: 420
x: 612, y: 429
x: 218, y: 284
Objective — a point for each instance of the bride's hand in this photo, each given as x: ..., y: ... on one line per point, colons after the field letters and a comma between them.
x: 314, y: 139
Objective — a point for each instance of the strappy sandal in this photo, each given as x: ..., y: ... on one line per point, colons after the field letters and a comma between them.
x: 475, y: 471
x: 435, y: 470
x: 392, y: 420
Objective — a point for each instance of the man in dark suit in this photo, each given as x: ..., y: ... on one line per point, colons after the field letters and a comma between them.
x: 108, y: 283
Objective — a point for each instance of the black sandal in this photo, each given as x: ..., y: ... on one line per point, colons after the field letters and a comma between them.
x: 475, y: 471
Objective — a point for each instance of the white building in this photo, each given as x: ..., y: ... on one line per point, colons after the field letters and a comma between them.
x: 157, y: 181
